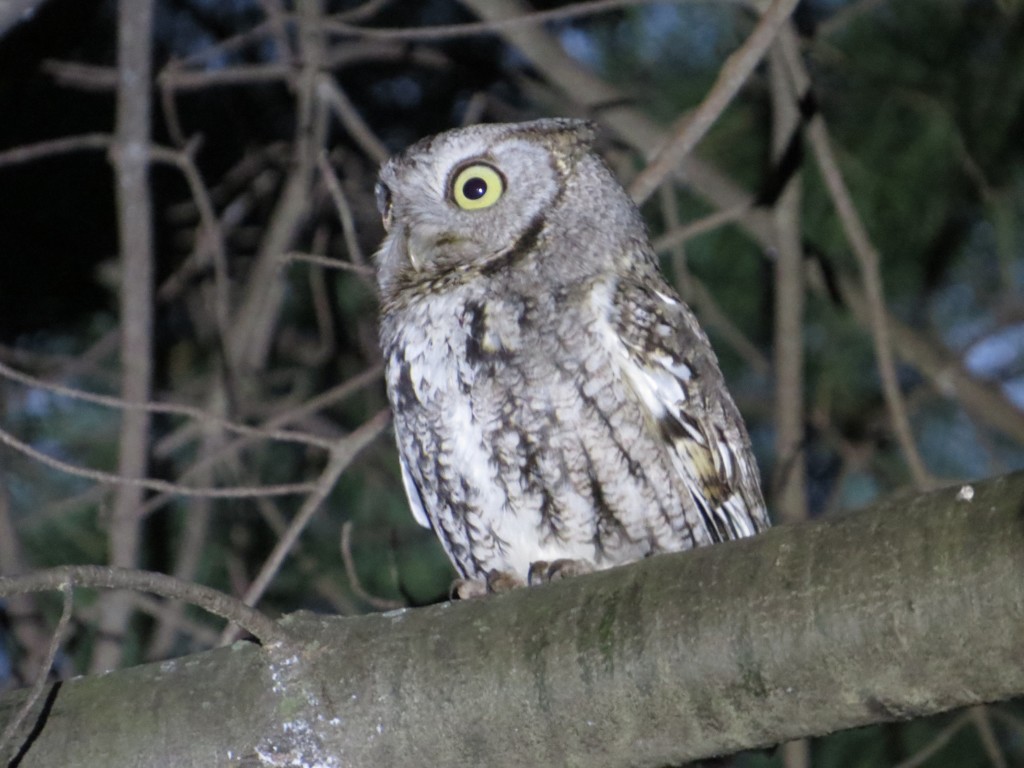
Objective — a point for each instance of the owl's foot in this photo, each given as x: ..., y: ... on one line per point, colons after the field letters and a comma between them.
x: 541, y: 571
x: 503, y: 581
x: 496, y: 583
x: 464, y: 589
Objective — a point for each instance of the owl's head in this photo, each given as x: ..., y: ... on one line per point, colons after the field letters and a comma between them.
x: 480, y: 197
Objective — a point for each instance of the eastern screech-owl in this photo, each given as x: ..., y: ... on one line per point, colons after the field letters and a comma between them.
x: 557, y: 407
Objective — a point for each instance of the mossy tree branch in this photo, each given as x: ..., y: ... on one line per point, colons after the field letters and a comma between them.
x: 911, y: 607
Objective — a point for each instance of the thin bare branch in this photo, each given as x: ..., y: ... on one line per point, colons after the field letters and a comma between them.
x: 983, y: 724
x: 39, y: 684
x: 338, y: 24
x: 941, y: 740
x: 204, y: 417
x: 685, y: 232
x: 129, y: 155
x: 380, y: 603
x: 330, y: 92
x: 44, y: 149
x: 348, y: 227
x: 106, y: 577
x: 334, y: 395
x: 254, y: 322
x: 210, y: 233
x: 788, y: 486
x: 734, y: 73
x: 173, y: 489
x: 869, y: 260
x: 330, y: 263
x: 346, y: 451
x: 86, y: 77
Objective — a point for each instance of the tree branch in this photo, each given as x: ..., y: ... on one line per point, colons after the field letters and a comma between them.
x: 103, y: 577
x: 909, y: 608
x: 130, y: 157
x: 691, y: 128
x: 13, y: 12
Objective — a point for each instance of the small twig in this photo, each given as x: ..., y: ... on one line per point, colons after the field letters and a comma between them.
x: 379, y: 603
x: 980, y: 718
x: 259, y: 308
x: 475, y: 108
x: 87, y: 77
x: 937, y: 743
x: 472, y: 29
x: 789, y: 494
x: 202, y: 635
x: 61, y: 146
x: 204, y: 417
x: 868, y: 259
x: 106, y: 577
x: 330, y: 93
x: 234, y: 44
x: 277, y: 18
x: 240, y: 74
x: 323, y: 400
x: 669, y: 202
x: 330, y: 263
x: 681, y: 234
x: 39, y: 684
x: 210, y: 228
x: 1009, y: 720
x: 319, y: 294
x: 348, y: 226
x: 733, y: 74
x: 367, y: 9
x: 345, y: 452
x: 99, y: 476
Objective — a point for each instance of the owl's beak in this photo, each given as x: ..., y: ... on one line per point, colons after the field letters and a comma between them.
x: 410, y: 250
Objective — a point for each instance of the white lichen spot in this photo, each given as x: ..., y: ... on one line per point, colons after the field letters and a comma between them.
x: 396, y: 613
x: 380, y: 728
x: 966, y: 493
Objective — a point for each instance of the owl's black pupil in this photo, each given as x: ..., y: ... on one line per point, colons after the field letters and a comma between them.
x: 474, y: 188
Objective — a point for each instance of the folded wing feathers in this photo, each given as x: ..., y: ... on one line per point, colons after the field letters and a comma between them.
x: 702, y: 432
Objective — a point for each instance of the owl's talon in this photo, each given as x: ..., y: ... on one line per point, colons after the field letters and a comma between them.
x: 567, y: 568
x: 538, y: 573
x: 496, y: 582
x: 466, y: 589
x: 502, y: 581
x: 542, y: 571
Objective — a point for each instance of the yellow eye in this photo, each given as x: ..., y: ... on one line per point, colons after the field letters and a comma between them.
x: 477, y: 186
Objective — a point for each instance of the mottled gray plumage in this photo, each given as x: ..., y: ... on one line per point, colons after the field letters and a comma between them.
x: 557, y: 407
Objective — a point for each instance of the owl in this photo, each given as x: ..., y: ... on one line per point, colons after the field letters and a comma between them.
x: 557, y: 408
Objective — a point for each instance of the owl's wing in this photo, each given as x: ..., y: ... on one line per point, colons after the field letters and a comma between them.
x: 412, y: 492
x: 668, y: 361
